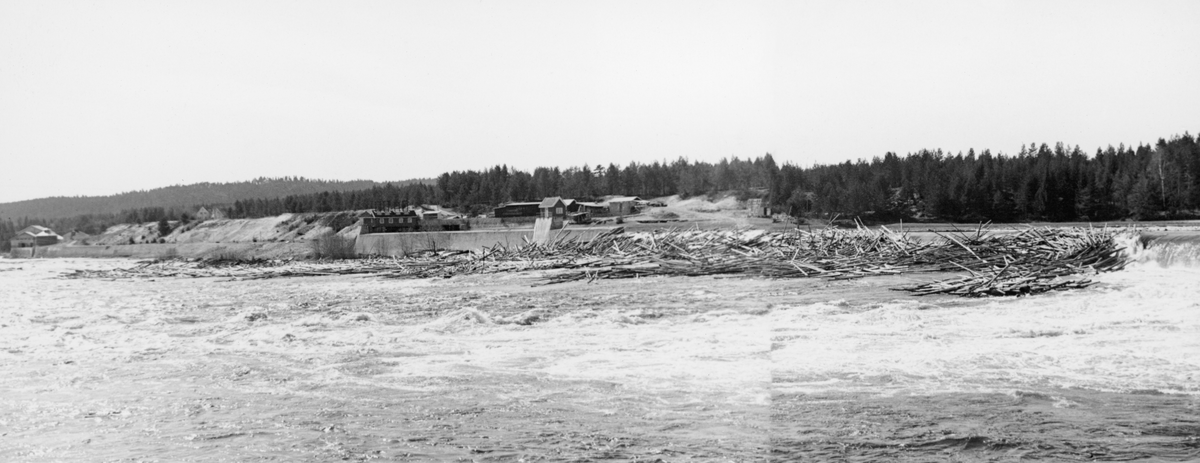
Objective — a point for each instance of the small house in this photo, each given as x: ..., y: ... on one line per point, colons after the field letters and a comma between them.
x: 388, y: 221
x: 34, y: 236
x: 552, y: 207
x: 210, y: 214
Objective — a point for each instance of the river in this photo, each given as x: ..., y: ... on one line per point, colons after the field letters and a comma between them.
x: 489, y: 368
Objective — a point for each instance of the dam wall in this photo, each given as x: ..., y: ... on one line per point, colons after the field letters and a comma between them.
x: 399, y: 244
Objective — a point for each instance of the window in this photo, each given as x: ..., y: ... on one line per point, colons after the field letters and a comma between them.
x: 558, y: 210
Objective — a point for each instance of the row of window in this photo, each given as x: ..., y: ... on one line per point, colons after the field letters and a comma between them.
x: 397, y: 220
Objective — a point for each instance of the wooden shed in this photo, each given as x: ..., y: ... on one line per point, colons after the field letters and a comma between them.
x: 624, y: 205
x: 552, y: 207
x: 756, y: 208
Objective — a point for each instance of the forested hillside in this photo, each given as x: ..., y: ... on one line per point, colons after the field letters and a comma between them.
x: 180, y: 196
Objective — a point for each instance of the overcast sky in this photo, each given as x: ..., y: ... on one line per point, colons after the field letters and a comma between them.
x: 110, y: 96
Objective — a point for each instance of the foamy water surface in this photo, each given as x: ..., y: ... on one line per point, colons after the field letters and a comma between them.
x: 488, y: 368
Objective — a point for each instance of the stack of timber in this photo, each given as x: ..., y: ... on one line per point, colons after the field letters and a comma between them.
x: 992, y: 264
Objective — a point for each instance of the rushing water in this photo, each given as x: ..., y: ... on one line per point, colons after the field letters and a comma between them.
x: 1108, y: 373
x: 671, y: 369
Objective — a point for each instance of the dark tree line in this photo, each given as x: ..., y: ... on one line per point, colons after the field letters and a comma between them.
x: 378, y: 197
x: 1041, y: 182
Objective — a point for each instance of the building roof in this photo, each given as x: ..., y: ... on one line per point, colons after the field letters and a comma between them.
x: 623, y: 199
x: 568, y: 202
x: 550, y: 202
x: 34, y: 229
x: 37, y: 230
x: 521, y: 204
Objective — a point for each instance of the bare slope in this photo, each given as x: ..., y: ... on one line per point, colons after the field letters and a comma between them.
x: 283, y: 228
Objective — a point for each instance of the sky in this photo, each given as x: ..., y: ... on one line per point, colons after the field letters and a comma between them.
x: 102, y: 97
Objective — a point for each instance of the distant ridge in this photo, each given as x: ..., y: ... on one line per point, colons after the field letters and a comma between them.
x: 184, y: 196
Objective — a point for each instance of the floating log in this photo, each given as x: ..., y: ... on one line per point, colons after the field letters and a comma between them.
x: 995, y: 264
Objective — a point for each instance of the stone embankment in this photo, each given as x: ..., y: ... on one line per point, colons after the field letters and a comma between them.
x: 281, y: 237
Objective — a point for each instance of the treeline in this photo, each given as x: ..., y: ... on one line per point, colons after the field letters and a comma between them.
x: 502, y: 184
x: 1160, y: 181
x: 377, y: 197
